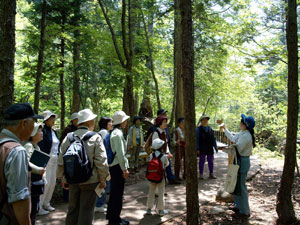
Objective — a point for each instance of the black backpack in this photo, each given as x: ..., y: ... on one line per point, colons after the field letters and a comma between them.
x: 77, y: 167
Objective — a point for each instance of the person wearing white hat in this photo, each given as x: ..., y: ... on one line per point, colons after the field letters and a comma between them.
x: 49, y: 145
x: 118, y: 169
x: 82, y: 196
x: 32, y: 145
x: 157, y: 146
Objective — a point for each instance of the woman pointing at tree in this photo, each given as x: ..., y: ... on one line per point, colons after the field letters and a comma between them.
x: 244, y: 143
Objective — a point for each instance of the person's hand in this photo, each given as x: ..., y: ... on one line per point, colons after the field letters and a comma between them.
x: 125, y: 174
x: 178, y: 142
x: 43, y: 171
x: 65, y: 186
x: 169, y: 155
x: 223, y: 126
x: 102, y: 185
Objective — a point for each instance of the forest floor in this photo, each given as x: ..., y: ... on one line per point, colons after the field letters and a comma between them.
x: 262, y: 197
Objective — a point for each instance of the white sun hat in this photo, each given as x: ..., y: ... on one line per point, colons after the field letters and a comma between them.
x: 157, y: 143
x: 47, y: 114
x: 74, y: 116
x: 85, y: 115
x: 119, y: 117
x: 35, y: 129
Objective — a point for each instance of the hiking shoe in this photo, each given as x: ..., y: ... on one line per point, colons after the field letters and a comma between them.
x: 238, y: 215
x: 48, y: 208
x: 148, y: 212
x: 124, y: 222
x: 233, y: 208
x: 42, y: 212
x: 212, y: 176
x: 100, y: 209
x: 201, y: 177
x: 163, y: 212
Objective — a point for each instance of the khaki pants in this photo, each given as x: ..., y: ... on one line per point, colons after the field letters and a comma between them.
x: 82, y: 200
x: 151, y: 195
x: 134, y: 156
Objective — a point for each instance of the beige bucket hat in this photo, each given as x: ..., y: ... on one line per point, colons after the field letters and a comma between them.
x: 119, y: 117
x: 85, y: 115
x: 47, y: 114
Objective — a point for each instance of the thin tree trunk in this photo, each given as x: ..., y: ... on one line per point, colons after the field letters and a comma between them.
x: 61, y: 74
x: 76, y: 58
x: 40, y: 58
x: 7, y: 56
x: 150, y: 58
x: 187, y: 74
x: 284, y: 208
x: 179, y: 109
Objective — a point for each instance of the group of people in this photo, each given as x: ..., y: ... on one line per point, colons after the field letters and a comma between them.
x: 22, y: 197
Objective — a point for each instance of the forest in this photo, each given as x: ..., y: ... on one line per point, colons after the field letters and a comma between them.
x: 110, y: 55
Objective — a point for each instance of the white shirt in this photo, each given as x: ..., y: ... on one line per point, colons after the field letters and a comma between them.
x: 163, y: 159
x: 155, y: 136
x: 242, y: 140
x: 55, y: 144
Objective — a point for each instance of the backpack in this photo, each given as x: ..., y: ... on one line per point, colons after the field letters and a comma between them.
x: 148, y: 144
x: 109, y: 153
x: 77, y: 167
x: 155, y: 170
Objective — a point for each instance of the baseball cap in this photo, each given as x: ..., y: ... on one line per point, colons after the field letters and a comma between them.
x: 20, y: 111
x: 161, y: 111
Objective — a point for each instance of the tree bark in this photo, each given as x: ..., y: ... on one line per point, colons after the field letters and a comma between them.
x: 187, y: 74
x: 150, y: 58
x: 76, y: 58
x: 284, y: 208
x: 40, y: 58
x: 61, y: 73
x: 7, y: 60
x: 179, y: 109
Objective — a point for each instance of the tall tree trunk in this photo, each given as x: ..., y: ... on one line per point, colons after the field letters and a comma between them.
x: 145, y: 107
x: 40, y: 58
x: 284, y: 208
x: 61, y: 73
x: 7, y: 56
x: 150, y: 59
x: 76, y: 58
x: 179, y: 105
x: 187, y: 74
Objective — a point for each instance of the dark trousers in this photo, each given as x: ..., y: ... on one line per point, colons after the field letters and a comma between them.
x: 115, y: 202
x: 35, y: 207
x: 179, y: 157
x: 82, y: 200
x: 170, y: 175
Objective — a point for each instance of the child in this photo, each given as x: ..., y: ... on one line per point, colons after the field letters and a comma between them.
x: 135, y: 141
x: 157, y: 145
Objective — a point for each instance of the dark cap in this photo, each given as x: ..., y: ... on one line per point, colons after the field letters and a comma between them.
x: 20, y: 111
x: 161, y: 111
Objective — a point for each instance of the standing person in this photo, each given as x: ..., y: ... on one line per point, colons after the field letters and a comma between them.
x: 157, y: 146
x: 206, y: 143
x: 82, y: 196
x: 105, y: 126
x: 70, y: 128
x: 170, y: 176
x: 244, y: 143
x: 135, y: 141
x: 49, y: 145
x: 18, y: 125
x: 118, y: 169
x: 180, y: 149
x: 37, y: 183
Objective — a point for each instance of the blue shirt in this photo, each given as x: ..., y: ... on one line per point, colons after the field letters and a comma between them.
x: 16, y: 171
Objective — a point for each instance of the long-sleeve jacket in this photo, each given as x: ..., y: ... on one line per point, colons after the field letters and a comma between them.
x: 134, y: 134
x: 119, y: 146
x: 206, y: 141
x: 242, y: 140
x: 96, y: 154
